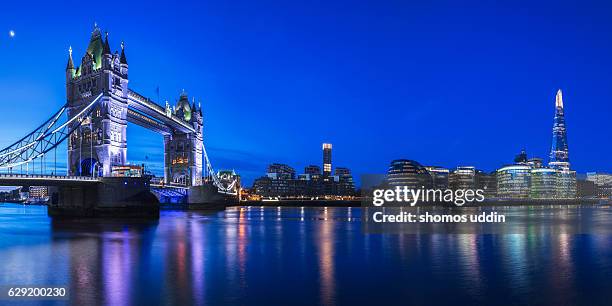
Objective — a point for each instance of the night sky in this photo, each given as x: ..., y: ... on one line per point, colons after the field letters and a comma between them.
x: 444, y: 83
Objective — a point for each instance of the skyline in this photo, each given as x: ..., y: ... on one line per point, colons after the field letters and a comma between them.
x: 332, y: 88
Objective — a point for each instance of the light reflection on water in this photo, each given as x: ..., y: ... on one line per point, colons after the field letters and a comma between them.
x: 304, y: 256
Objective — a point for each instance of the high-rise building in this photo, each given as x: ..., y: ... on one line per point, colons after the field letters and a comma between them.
x: 327, y: 159
x: 345, y: 184
x: 281, y: 181
x: 311, y: 180
x: 404, y: 172
x: 559, y: 157
x: 528, y: 179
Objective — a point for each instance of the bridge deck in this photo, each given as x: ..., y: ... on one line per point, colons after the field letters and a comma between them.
x: 147, y: 107
x: 45, y: 180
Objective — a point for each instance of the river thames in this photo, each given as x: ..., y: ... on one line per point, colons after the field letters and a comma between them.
x: 294, y: 256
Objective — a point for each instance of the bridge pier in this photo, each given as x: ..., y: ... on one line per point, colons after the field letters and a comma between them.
x: 122, y: 197
x: 207, y: 197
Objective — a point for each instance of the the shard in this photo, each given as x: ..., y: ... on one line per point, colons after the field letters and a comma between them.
x: 559, y: 157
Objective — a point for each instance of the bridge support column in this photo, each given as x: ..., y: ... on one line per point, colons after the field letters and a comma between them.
x: 207, y: 197
x: 111, y: 197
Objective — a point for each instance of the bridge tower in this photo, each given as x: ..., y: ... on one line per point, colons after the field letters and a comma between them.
x: 100, y: 142
x: 183, y: 151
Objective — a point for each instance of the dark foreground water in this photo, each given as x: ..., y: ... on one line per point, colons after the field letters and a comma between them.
x: 290, y: 256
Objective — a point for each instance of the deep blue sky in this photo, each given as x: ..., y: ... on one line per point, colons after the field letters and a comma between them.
x: 444, y: 83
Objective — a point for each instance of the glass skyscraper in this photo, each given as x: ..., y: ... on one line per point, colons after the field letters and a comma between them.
x: 528, y: 179
x: 559, y: 157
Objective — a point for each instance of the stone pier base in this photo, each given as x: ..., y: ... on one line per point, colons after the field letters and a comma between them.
x: 115, y: 197
x: 207, y: 197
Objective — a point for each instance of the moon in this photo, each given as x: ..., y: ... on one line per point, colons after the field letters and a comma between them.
x: 12, y: 33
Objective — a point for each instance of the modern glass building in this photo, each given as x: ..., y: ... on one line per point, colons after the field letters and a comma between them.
x: 514, y: 182
x: 488, y: 183
x: 522, y: 181
x: 439, y: 177
x: 566, y: 184
x: 345, y: 185
x: 559, y: 155
x: 528, y: 178
x: 404, y: 172
x: 544, y: 183
x: 281, y: 172
x: 463, y: 178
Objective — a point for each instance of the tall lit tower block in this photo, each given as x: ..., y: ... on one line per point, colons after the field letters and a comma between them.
x: 559, y: 157
x: 327, y: 159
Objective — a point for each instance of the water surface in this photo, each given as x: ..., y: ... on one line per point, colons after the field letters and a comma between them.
x: 293, y: 256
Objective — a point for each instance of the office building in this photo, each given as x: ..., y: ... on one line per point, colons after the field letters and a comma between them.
x: 464, y: 177
x: 527, y: 178
x: 404, y: 172
x: 281, y: 181
x: 543, y: 183
x: 439, y: 177
x: 344, y: 185
x: 488, y: 183
x: 514, y: 182
x: 586, y: 188
x: 603, y: 184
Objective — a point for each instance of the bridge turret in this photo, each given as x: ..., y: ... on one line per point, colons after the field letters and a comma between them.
x: 106, y: 50
x: 107, y: 56
x: 123, y: 60
x: 70, y: 72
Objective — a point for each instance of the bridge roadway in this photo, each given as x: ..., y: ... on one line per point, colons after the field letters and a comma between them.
x: 46, y: 180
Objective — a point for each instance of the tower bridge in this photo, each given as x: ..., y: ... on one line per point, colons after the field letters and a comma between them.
x: 94, y: 120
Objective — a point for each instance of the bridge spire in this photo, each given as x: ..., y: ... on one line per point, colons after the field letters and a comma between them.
x: 123, y: 60
x: 106, y: 45
x: 70, y: 64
